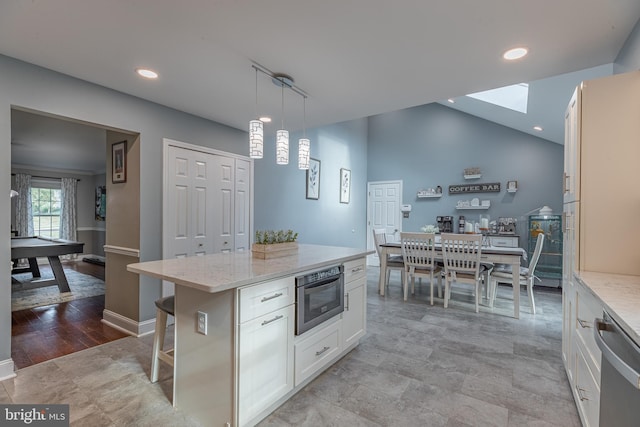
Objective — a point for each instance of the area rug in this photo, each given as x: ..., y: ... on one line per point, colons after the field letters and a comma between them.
x: 81, y: 285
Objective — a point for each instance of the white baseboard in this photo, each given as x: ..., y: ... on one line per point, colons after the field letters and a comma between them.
x: 7, y: 369
x: 126, y: 325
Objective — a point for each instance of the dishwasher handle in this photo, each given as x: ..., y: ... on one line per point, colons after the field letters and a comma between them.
x: 619, y: 365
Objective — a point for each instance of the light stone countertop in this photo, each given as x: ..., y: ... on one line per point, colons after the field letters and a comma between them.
x: 620, y: 295
x: 220, y: 272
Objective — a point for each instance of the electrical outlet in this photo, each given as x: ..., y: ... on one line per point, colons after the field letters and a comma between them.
x: 201, y: 323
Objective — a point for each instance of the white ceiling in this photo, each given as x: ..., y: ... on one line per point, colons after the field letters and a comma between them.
x: 354, y: 58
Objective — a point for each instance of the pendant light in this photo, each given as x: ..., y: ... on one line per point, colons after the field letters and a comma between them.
x: 282, y: 137
x: 256, y: 132
x: 304, y: 143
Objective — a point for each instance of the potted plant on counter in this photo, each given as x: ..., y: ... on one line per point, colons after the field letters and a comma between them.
x: 274, y: 244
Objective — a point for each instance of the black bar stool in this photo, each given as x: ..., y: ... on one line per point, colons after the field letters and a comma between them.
x: 165, y: 306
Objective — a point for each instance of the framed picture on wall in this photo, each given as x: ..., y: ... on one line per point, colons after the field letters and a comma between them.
x: 345, y: 185
x: 313, y: 179
x: 101, y: 202
x: 119, y: 162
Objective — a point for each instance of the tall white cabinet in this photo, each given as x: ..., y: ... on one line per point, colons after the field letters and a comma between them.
x: 601, y: 211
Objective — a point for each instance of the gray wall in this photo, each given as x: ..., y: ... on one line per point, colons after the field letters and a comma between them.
x: 280, y: 191
x: 629, y: 56
x: 431, y: 145
x: 35, y: 88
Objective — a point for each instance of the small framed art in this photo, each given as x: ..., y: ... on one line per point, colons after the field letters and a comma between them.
x: 119, y: 162
x: 345, y: 185
x: 313, y: 179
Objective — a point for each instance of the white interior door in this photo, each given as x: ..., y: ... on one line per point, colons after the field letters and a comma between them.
x: 383, y: 211
x: 242, y: 205
x: 223, y: 215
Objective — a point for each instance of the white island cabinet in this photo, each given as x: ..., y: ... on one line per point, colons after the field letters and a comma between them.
x: 250, y: 361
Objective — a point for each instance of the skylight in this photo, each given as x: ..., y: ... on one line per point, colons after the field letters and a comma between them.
x: 514, y: 97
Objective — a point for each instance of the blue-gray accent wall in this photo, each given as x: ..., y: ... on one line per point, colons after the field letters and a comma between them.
x: 431, y: 145
x: 280, y: 191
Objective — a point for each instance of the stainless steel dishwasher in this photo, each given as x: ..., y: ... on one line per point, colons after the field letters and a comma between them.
x: 619, y: 375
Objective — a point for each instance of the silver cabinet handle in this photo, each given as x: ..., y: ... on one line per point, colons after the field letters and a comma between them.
x: 618, y: 364
x: 276, y: 295
x: 318, y: 353
x: 584, y: 323
x: 357, y: 270
x: 565, y: 187
x: 266, y: 322
x: 346, y: 302
x: 581, y: 395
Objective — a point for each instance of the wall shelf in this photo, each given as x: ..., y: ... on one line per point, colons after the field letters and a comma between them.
x: 460, y: 208
x: 422, y: 195
x: 475, y: 176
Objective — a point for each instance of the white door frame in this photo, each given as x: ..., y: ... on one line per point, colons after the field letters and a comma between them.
x: 370, y: 243
x: 167, y: 288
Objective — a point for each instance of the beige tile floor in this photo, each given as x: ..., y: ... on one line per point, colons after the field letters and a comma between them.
x: 419, y: 365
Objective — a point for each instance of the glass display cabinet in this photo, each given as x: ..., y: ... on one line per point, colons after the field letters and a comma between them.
x: 550, y: 262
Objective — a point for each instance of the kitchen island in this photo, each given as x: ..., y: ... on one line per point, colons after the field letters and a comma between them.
x: 249, y: 361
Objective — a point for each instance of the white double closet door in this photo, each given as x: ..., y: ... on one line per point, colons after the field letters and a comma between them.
x: 207, y: 202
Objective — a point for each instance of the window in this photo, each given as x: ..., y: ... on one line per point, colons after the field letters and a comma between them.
x: 514, y: 97
x: 45, y: 205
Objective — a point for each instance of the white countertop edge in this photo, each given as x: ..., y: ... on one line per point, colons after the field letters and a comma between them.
x: 620, y: 295
x: 150, y: 268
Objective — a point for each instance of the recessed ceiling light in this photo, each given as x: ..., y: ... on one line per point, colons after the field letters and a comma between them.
x: 538, y: 128
x: 515, y: 53
x: 451, y: 100
x: 146, y: 73
x: 265, y: 119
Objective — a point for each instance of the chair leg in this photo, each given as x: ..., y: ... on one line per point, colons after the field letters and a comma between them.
x: 530, y: 292
x: 158, y: 343
x: 478, y: 295
x: 431, y: 285
x: 447, y: 292
x: 440, y: 284
x: 388, y: 275
x: 405, y: 286
x: 493, y: 289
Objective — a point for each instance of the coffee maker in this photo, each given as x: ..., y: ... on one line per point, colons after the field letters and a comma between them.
x: 445, y: 224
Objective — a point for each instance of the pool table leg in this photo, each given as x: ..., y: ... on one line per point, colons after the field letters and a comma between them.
x: 33, y: 266
x: 58, y: 273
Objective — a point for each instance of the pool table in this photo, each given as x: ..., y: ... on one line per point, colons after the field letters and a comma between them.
x: 35, y: 246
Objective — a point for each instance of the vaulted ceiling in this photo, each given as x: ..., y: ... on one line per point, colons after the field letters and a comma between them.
x: 354, y: 58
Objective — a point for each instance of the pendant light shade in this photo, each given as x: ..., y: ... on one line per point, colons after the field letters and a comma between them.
x: 256, y: 139
x: 256, y: 132
x: 303, y: 153
x: 282, y: 147
x: 304, y: 145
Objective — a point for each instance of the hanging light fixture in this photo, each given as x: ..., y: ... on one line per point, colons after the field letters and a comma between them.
x: 282, y: 136
x: 303, y: 143
x: 256, y: 132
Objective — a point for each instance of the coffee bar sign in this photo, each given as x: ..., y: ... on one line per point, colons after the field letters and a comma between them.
x: 492, y: 187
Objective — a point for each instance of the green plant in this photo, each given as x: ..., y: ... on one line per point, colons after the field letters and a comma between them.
x: 266, y: 237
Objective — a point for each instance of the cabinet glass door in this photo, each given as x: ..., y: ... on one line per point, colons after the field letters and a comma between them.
x: 550, y: 262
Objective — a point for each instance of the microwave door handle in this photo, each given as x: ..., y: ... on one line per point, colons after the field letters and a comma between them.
x: 620, y: 365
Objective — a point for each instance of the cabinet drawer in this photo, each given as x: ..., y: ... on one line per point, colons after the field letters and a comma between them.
x: 504, y: 241
x: 587, y: 309
x: 353, y: 270
x: 265, y: 297
x: 316, y: 351
x: 586, y: 392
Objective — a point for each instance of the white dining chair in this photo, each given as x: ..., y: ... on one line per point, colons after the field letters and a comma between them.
x: 504, y: 274
x: 461, y: 256
x: 394, y: 262
x: 418, y: 253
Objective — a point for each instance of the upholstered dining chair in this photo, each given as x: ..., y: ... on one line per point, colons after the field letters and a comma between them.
x: 504, y: 274
x: 418, y: 254
x: 394, y: 262
x: 461, y: 256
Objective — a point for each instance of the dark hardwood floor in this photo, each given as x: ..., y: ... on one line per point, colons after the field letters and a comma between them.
x: 51, y: 331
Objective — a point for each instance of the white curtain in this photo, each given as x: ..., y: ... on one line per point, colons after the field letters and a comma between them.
x: 24, y: 216
x: 68, y: 208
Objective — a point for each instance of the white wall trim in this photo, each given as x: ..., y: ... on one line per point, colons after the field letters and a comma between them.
x: 7, y: 369
x: 128, y: 326
x: 122, y: 251
x: 202, y: 149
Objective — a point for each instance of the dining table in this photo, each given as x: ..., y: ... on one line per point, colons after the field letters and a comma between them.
x: 492, y: 254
